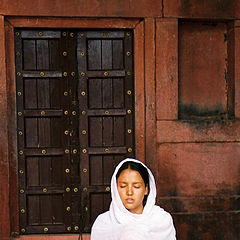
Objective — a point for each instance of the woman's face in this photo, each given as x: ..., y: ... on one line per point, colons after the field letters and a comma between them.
x: 132, y: 189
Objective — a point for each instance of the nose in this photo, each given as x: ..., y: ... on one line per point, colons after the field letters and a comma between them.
x: 129, y: 191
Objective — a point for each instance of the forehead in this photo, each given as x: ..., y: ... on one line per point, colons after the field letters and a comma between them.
x: 129, y: 175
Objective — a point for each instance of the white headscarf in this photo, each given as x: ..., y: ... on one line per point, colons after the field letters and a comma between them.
x: 120, y: 224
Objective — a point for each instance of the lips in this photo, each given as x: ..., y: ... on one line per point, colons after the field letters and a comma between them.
x: 129, y: 200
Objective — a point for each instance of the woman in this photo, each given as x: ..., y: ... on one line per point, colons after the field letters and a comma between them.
x: 133, y: 214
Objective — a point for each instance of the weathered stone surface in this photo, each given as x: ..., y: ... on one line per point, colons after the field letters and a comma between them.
x: 167, y: 69
x: 82, y: 8
x: 201, y: 9
x: 189, y: 169
x: 198, y: 131
x: 208, y: 226
x: 4, y: 164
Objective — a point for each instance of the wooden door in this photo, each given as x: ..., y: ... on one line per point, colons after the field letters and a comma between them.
x: 75, y: 110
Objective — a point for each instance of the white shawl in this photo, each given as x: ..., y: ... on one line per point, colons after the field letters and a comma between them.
x: 120, y: 224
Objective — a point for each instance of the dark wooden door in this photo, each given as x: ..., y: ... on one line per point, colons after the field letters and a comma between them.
x: 75, y: 111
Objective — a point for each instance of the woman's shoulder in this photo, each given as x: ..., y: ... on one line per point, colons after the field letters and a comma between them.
x: 160, y: 213
x: 103, y: 218
x: 159, y: 210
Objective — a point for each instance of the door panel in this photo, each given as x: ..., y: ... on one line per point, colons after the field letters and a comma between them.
x: 106, y: 103
x: 42, y: 107
x: 75, y: 108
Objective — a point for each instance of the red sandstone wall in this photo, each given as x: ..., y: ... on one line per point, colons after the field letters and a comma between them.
x: 197, y: 137
x: 191, y: 49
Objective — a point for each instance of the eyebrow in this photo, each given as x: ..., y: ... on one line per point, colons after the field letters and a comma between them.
x: 127, y: 182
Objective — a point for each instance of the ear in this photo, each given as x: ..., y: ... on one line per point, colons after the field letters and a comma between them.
x: 146, y: 191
